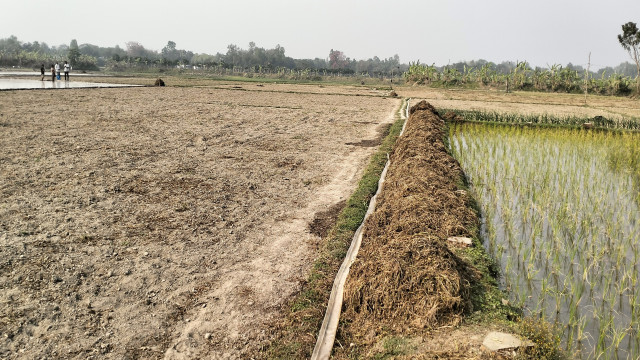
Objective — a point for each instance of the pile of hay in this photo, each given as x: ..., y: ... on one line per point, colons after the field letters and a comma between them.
x: 405, y: 277
x: 450, y: 116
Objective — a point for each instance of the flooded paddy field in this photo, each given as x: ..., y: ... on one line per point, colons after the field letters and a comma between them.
x: 24, y: 80
x: 22, y: 84
x: 560, y: 214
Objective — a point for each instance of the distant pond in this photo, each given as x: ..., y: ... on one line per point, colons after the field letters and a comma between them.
x: 16, y: 84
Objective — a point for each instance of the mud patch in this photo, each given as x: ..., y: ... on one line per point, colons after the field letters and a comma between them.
x: 323, y: 221
x: 365, y: 143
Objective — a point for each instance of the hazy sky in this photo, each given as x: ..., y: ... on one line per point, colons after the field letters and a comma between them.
x: 432, y: 31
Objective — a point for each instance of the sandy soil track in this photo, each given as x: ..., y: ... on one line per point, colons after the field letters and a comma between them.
x: 165, y: 222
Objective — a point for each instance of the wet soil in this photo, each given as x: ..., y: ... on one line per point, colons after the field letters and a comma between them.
x: 323, y: 221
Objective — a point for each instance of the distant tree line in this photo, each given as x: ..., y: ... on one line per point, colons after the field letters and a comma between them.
x: 256, y: 61
x: 14, y: 53
x: 521, y: 76
x: 507, y: 67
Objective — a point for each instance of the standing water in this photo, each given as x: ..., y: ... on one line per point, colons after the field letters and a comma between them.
x: 15, y: 84
x: 560, y: 213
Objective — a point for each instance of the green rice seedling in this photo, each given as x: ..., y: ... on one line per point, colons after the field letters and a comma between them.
x: 563, y: 226
x: 626, y: 123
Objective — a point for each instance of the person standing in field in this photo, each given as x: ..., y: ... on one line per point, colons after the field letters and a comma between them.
x: 66, y: 71
x: 42, y: 72
x: 57, y: 71
x: 53, y: 73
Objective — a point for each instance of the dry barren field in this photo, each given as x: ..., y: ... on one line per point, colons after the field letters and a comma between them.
x: 522, y: 102
x: 167, y: 222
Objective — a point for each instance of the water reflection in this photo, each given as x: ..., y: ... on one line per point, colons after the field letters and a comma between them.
x: 15, y: 84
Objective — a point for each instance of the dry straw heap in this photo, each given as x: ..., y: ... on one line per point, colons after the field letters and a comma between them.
x: 405, y: 277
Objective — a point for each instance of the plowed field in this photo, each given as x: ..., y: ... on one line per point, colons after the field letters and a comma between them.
x: 153, y: 222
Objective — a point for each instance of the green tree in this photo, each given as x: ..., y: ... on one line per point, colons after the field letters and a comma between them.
x: 170, y: 55
x: 73, y: 53
x: 233, y: 55
x: 630, y: 41
x: 10, y: 49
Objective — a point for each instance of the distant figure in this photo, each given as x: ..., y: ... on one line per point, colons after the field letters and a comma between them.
x: 66, y: 71
x: 42, y: 72
x: 57, y: 71
x: 53, y: 73
x: 159, y: 82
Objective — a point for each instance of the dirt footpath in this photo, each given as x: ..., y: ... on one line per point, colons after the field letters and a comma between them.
x: 165, y: 222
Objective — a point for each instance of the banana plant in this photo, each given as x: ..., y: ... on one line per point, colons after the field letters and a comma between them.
x: 519, y: 74
x: 554, y: 76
